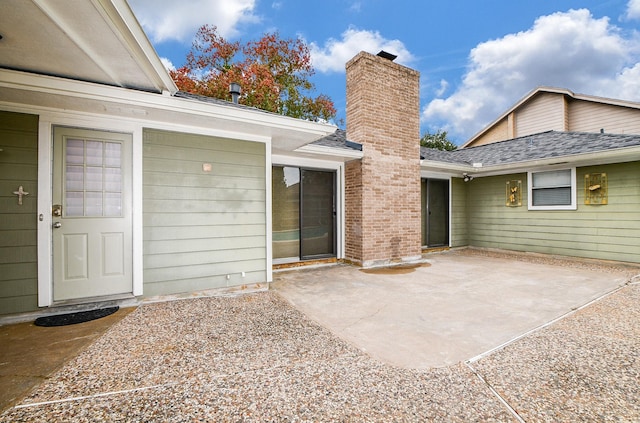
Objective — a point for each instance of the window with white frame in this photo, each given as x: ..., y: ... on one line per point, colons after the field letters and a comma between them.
x: 552, y: 190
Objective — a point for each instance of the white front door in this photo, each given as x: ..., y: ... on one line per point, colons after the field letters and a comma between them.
x: 92, y: 214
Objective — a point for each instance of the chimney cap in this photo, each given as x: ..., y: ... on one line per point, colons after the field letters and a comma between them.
x: 387, y: 55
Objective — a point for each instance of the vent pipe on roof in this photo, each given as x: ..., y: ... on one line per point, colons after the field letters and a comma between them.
x: 235, y: 90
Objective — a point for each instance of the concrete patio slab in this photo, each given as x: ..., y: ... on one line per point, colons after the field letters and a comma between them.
x: 459, y: 305
x: 29, y: 354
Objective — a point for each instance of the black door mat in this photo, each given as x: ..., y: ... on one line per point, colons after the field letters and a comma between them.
x: 73, y: 318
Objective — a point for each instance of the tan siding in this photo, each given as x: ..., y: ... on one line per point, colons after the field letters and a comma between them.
x: 18, y: 224
x: 565, y: 114
x: 587, y: 116
x: 201, y: 226
x: 609, y: 232
x: 499, y: 132
x: 459, y: 212
x: 544, y: 112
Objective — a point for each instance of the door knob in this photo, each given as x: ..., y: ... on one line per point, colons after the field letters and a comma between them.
x: 57, y: 225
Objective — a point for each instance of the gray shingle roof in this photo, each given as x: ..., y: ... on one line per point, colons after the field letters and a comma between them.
x: 338, y: 140
x: 533, y: 147
x: 218, y: 101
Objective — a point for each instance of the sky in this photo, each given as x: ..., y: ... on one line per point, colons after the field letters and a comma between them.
x: 476, y: 58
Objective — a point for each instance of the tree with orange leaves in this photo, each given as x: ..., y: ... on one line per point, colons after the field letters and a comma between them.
x: 274, y: 74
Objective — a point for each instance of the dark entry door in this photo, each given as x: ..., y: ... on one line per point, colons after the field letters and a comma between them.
x: 435, y: 212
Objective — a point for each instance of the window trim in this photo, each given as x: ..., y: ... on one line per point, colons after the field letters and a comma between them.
x: 574, y: 190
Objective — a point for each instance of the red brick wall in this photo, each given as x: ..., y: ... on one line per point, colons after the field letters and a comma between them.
x: 383, y: 189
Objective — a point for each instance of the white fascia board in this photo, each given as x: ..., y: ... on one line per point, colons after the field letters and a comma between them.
x: 432, y: 165
x: 437, y: 175
x: 144, y: 101
x: 286, y: 160
x: 323, y: 150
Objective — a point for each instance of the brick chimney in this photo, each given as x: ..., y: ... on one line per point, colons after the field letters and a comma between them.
x: 383, y: 188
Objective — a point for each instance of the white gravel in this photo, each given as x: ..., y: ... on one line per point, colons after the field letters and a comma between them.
x: 247, y: 358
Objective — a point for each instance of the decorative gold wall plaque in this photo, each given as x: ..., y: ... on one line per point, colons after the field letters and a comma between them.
x: 514, y: 193
x: 595, y: 189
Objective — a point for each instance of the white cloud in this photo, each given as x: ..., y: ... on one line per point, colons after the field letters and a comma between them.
x: 167, y: 63
x: 356, y: 6
x: 633, y: 9
x: 165, y: 20
x: 568, y: 50
x: 444, y: 86
x: 333, y: 56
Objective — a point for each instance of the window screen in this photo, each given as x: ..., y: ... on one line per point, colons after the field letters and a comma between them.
x: 551, y: 188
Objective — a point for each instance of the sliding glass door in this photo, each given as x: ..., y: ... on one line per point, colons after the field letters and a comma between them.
x: 304, y: 213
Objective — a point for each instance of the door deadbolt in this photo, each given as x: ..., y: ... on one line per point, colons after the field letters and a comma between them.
x: 56, y: 210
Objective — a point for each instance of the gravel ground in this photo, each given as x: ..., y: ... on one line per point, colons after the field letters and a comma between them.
x: 256, y: 358
x: 246, y: 358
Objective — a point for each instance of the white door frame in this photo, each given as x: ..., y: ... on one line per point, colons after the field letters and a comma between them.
x: 47, y: 120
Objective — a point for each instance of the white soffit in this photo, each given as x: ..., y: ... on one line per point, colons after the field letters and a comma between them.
x: 86, y: 40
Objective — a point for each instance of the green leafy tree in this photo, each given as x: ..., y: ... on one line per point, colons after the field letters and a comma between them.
x: 438, y: 141
x: 273, y: 73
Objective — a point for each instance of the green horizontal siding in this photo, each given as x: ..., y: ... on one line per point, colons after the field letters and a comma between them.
x: 201, y: 226
x: 18, y: 223
x: 459, y: 213
x: 608, y: 232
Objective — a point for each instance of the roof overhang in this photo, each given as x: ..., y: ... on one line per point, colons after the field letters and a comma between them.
x: 620, y: 155
x: 328, y: 153
x: 35, y: 93
x: 96, y: 41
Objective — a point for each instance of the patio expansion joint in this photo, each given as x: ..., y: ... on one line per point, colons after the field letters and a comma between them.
x: 500, y: 398
x: 157, y: 386
x: 98, y: 395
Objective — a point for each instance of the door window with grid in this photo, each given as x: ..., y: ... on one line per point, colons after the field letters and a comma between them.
x: 93, y: 178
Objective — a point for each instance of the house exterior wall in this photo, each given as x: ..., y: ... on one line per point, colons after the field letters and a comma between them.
x: 199, y: 225
x: 607, y: 232
x: 383, y: 114
x: 499, y: 132
x: 353, y: 212
x: 548, y: 111
x: 544, y: 113
x: 585, y: 116
x: 459, y: 213
x: 18, y: 223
